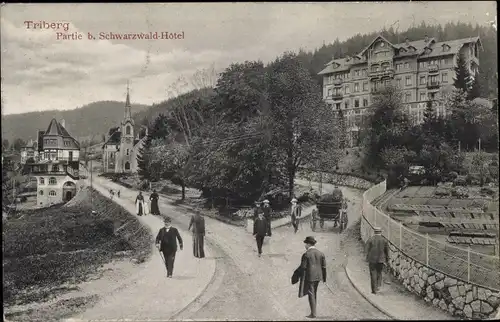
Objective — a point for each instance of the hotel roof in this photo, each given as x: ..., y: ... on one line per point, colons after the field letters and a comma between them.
x: 424, y: 48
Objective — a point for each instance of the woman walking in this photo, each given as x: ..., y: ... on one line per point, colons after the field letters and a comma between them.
x: 139, y: 203
x: 198, y: 224
x: 154, y: 203
x: 146, y: 207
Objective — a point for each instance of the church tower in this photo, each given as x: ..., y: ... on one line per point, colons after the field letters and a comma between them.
x: 127, y: 138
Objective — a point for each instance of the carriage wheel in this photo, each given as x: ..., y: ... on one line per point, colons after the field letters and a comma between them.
x: 321, y: 223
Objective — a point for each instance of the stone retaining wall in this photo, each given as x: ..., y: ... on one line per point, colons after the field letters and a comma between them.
x: 337, y: 178
x: 457, y: 297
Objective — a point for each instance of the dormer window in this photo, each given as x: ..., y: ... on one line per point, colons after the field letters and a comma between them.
x: 382, y: 44
x: 446, y: 47
x: 411, y: 48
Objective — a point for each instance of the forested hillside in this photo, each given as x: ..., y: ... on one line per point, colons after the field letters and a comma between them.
x: 92, y: 119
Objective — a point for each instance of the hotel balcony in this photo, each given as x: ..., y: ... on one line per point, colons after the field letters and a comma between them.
x: 337, y: 82
x: 337, y: 96
x: 433, y: 69
x: 381, y: 73
x: 433, y: 85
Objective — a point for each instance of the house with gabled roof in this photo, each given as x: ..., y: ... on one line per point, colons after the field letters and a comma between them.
x: 56, y: 166
x: 121, y: 148
x: 423, y: 69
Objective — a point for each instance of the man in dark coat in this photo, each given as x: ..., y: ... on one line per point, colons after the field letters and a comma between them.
x: 154, y: 203
x: 295, y: 214
x: 266, y: 209
x: 166, y: 242
x: 260, y: 231
x: 198, y: 224
x: 256, y: 210
x: 377, y: 255
x: 311, y: 271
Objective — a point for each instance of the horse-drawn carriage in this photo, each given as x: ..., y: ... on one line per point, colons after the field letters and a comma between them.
x: 330, y: 207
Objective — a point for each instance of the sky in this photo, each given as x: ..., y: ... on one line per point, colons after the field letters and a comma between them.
x: 41, y: 72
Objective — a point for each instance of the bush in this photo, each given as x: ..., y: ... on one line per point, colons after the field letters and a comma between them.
x: 487, y: 191
x: 460, y: 181
x: 460, y: 192
x: 472, y: 179
x: 452, y: 176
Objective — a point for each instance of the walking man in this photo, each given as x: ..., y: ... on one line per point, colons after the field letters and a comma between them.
x: 198, y: 224
x: 166, y: 242
x: 256, y: 210
x: 377, y: 255
x: 154, y: 203
x: 259, y: 231
x: 295, y: 213
x: 311, y: 271
x: 266, y: 209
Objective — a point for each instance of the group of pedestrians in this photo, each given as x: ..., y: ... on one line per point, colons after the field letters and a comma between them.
x: 312, y: 268
x: 143, y: 207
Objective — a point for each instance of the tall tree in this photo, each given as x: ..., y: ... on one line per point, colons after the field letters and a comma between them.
x: 302, y: 122
x: 18, y: 144
x: 144, y: 159
x: 475, y: 90
x: 5, y: 144
x: 462, y: 75
x: 388, y: 124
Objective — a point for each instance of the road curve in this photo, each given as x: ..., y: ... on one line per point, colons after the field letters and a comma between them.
x: 246, y: 287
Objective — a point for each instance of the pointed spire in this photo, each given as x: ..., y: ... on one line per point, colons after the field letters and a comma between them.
x: 128, y: 108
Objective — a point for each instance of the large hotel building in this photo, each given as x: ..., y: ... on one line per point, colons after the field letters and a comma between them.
x: 422, y: 69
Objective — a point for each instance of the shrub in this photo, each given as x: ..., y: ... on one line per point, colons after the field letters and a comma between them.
x: 487, y: 191
x: 460, y: 181
x: 460, y: 192
x: 452, y: 176
x: 472, y: 179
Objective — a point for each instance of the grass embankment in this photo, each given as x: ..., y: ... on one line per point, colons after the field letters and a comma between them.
x: 45, y: 250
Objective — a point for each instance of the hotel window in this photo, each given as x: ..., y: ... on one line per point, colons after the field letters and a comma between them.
x: 55, y: 168
x: 329, y: 92
x: 407, y: 65
x: 127, y: 151
x: 442, y: 61
x: 52, y: 180
x: 41, y: 192
x: 346, y: 104
x: 422, y: 80
x: 365, y: 102
x: 356, y: 87
x: 347, y: 89
x: 408, y: 81
x: 422, y: 96
x: 399, y: 82
x: 52, y: 193
x: 421, y: 65
x: 444, y: 77
x: 356, y: 103
x: 407, y: 97
x: 365, y: 86
x: 42, y: 181
x: 337, y: 106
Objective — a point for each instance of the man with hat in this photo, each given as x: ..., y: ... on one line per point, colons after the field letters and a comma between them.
x: 377, y: 255
x: 312, y: 270
x: 260, y: 230
x: 256, y: 210
x: 295, y: 213
x: 266, y: 209
x: 166, y: 242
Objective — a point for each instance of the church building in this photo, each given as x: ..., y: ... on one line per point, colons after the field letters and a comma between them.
x: 121, y: 148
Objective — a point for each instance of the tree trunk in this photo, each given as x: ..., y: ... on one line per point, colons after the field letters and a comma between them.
x: 183, y: 186
x: 291, y: 177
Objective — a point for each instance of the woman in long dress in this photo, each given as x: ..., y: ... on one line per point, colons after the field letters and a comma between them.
x: 198, y: 224
x: 146, y: 206
x: 154, y: 203
x: 139, y: 203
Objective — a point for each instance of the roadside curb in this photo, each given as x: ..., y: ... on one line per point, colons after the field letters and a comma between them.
x: 216, y: 273
x: 365, y: 296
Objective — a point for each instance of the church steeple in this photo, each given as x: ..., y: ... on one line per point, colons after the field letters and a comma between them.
x: 128, y: 107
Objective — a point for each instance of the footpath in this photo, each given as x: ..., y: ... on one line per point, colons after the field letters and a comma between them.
x: 393, y: 299
x: 152, y: 295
